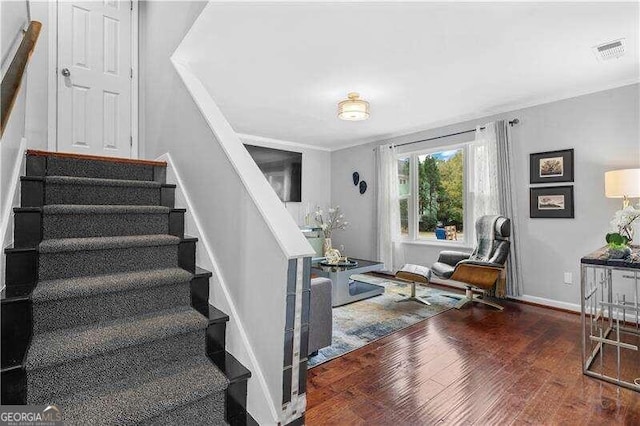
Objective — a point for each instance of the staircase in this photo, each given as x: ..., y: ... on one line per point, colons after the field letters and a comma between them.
x: 105, y: 313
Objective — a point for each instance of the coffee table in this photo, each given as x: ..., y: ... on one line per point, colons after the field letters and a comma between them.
x: 344, y: 289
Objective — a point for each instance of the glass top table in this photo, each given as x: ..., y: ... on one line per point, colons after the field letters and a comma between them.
x: 346, y: 290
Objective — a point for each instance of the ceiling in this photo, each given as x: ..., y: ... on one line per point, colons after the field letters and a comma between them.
x: 279, y: 70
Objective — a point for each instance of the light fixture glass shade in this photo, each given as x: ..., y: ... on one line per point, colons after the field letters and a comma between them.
x: 622, y: 183
x: 354, y: 108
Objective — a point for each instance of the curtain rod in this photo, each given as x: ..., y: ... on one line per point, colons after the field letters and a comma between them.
x: 511, y: 123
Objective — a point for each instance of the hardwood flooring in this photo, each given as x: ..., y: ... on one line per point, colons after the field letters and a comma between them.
x: 474, y: 366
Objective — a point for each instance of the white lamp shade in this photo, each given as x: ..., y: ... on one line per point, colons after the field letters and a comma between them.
x: 622, y: 183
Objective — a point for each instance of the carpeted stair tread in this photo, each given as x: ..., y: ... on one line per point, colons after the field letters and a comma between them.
x: 133, y: 401
x: 105, y: 243
x: 85, y: 181
x: 60, y: 346
x: 112, y: 283
x: 59, y: 209
x: 87, y: 220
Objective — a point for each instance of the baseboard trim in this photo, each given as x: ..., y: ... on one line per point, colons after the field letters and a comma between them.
x: 556, y: 305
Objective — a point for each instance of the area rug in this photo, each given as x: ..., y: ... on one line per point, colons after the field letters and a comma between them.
x: 360, y: 323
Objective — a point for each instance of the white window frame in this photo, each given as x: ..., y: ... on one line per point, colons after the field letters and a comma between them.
x: 414, y: 235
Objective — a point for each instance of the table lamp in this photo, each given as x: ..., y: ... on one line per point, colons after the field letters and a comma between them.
x: 623, y: 184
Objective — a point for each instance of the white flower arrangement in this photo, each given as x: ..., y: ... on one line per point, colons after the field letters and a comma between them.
x: 330, y: 221
x: 623, y: 221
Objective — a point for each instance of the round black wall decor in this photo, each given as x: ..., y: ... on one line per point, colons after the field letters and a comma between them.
x: 356, y: 178
x: 363, y: 187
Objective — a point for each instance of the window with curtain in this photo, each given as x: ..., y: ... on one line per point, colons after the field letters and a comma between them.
x: 433, y: 194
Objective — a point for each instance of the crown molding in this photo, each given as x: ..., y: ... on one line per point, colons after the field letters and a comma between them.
x: 265, y: 140
x: 504, y: 109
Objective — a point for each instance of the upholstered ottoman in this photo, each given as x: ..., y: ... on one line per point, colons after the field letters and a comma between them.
x: 414, y: 274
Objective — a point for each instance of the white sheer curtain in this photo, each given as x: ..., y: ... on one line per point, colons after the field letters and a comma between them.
x: 388, y: 204
x: 490, y: 189
x: 483, y: 175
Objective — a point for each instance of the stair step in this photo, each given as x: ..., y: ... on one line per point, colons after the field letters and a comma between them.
x: 213, y: 314
x: 72, y: 302
x: 105, y: 243
x: 78, y: 257
x: 61, y: 346
x: 34, y: 224
x: 201, y: 272
x: 69, y: 360
x: 230, y: 366
x: 41, y: 163
x: 15, y: 321
x: 78, y: 190
x: 91, y: 182
x: 38, y: 191
x: 88, y: 286
x: 188, y: 392
x: 78, y: 221
x: 78, y: 209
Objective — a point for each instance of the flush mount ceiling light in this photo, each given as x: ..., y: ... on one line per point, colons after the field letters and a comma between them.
x: 354, y: 108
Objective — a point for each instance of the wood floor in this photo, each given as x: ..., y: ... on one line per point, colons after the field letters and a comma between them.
x: 474, y: 366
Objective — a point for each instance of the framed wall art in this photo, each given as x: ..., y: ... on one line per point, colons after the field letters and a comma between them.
x: 551, y: 166
x: 551, y: 202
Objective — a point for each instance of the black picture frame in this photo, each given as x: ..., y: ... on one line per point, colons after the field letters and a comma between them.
x: 563, y: 171
x: 563, y: 209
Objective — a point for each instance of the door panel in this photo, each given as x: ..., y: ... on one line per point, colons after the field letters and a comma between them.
x: 94, y: 98
x: 79, y: 105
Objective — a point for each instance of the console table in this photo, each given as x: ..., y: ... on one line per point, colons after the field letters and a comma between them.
x: 610, y: 314
x: 344, y: 289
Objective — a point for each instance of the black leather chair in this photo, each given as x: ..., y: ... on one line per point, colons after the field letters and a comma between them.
x: 482, y: 268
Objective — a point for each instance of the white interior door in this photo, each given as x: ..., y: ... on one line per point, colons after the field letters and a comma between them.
x: 95, y: 77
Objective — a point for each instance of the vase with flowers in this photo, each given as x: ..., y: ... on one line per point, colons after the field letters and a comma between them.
x: 330, y: 221
x: 622, y: 223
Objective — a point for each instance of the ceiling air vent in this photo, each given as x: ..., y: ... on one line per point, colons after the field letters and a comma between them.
x: 609, y: 50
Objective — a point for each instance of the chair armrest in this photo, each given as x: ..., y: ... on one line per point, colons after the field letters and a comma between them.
x: 481, y: 263
x: 477, y: 274
x: 452, y: 258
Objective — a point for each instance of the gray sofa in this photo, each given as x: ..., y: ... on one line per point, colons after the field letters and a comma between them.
x: 320, y: 315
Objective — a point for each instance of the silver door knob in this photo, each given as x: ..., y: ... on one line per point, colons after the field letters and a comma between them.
x: 65, y: 72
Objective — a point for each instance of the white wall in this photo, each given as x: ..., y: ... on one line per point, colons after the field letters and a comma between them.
x: 604, y: 130
x: 316, y: 175
x: 13, y: 19
x: 359, y: 238
x: 36, y: 129
x: 239, y: 219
